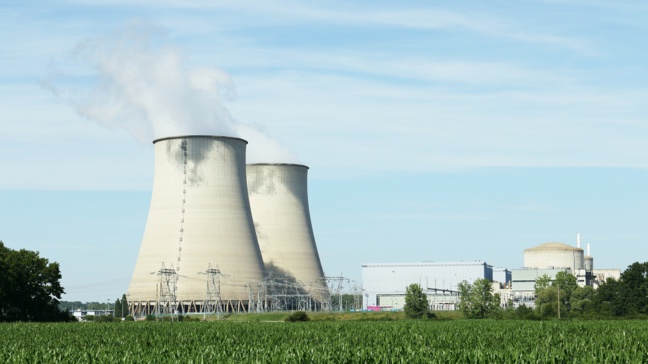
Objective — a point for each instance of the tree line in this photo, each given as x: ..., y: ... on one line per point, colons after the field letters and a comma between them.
x: 626, y: 297
x: 119, y: 307
x: 560, y: 297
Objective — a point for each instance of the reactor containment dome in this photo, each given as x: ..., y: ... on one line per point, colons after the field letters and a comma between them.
x: 554, y: 255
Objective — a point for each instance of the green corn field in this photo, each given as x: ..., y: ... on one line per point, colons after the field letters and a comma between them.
x: 460, y: 341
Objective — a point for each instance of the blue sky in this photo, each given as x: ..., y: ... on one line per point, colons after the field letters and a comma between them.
x: 434, y: 131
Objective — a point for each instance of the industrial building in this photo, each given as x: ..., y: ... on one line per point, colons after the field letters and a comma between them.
x: 200, y: 251
x: 550, y: 259
x: 502, y: 276
x: 547, y: 259
x: 384, y: 284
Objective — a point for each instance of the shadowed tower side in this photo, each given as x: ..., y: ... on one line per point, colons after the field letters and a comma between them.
x: 279, y: 202
x: 199, y: 216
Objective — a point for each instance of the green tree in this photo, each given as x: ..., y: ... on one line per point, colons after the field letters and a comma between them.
x: 555, y: 297
x: 416, y: 303
x: 608, y: 300
x: 581, y: 301
x: 634, y: 289
x: 118, y: 308
x: 546, y: 302
x: 477, y: 300
x: 121, y: 307
x: 124, y: 305
x: 29, y: 287
x: 566, y: 284
x: 542, y: 282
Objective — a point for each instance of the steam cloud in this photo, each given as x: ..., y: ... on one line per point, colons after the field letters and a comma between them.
x: 144, y: 87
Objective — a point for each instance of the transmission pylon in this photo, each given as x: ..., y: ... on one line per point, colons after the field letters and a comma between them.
x: 166, y: 305
x: 213, y: 303
x: 335, y: 285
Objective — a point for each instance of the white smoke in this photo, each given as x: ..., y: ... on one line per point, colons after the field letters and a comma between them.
x: 142, y: 85
x: 262, y: 148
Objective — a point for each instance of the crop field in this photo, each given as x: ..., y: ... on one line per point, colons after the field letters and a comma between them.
x: 325, y: 342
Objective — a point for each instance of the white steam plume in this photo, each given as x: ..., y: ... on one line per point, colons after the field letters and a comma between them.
x: 144, y: 87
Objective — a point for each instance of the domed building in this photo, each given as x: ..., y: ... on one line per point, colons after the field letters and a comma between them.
x: 554, y: 255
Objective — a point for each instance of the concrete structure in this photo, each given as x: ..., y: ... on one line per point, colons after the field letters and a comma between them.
x: 523, y: 285
x: 384, y: 285
x: 279, y: 202
x: 603, y: 274
x: 524, y: 279
x: 561, y: 256
x: 199, y: 217
x: 589, y: 263
x: 554, y: 255
x: 502, y: 276
x: 549, y: 259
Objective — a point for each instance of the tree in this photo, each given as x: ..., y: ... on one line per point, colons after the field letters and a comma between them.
x: 121, y: 307
x: 581, y: 301
x: 118, y: 308
x: 608, y: 299
x: 542, y: 282
x: 416, y: 303
x: 477, y: 300
x: 634, y: 289
x: 554, y: 296
x: 124, y: 305
x: 29, y: 287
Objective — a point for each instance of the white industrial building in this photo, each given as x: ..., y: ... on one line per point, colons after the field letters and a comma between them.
x: 384, y: 285
x: 601, y: 275
x: 550, y: 259
x: 502, y: 276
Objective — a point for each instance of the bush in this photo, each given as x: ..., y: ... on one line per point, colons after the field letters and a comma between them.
x: 298, y: 316
x: 106, y: 318
x: 129, y: 318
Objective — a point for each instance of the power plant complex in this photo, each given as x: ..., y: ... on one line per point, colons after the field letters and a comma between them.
x: 384, y: 284
x: 221, y: 236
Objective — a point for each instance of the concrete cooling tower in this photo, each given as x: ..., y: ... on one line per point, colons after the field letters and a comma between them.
x: 279, y: 202
x: 199, y: 218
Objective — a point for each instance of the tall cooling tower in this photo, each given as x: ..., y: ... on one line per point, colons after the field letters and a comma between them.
x: 199, y: 217
x: 279, y: 202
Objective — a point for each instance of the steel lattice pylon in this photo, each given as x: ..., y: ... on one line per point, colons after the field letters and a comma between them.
x: 213, y: 304
x: 166, y: 305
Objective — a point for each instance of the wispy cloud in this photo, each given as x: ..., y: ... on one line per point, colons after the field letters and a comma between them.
x: 421, y: 18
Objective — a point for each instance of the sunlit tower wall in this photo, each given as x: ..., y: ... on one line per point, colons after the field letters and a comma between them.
x: 279, y: 202
x: 199, y: 216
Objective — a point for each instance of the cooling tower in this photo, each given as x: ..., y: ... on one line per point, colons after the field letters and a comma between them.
x: 279, y: 202
x: 199, y: 216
